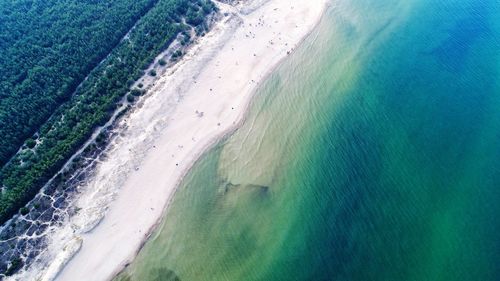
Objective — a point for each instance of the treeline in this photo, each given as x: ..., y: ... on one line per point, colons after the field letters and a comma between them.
x: 47, y: 48
x: 94, y: 101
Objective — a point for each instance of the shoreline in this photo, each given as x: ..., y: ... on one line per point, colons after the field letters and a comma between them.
x: 216, y: 141
x: 44, y: 257
x: 184, y: 163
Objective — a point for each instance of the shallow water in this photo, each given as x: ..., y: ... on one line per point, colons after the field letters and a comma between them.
x: 372, y: 153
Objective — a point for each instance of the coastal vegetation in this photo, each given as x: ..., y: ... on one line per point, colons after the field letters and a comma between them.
x: 66, y: 67
x: 48, y: 47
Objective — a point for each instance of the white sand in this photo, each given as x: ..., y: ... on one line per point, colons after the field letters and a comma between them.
x: 166, y: 135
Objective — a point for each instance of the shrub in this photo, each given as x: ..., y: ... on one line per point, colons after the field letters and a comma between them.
x: 177, y: 54
x: 136, y: 92
x: 15, y: 265
x: 30, y: 143
x: 130, y: 98
x: 24, y: 211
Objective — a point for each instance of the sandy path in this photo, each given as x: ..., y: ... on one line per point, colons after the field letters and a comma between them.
x: 189, y: 110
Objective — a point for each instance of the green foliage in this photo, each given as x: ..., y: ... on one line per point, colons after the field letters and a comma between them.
x: 30, y: 143
x: 130, y: 98
x: 152, y: 72
x: 24, y: 211
x: 137, y: 92
x: 15, y: 265
x: 84, y: 39
x: 176, y: 55
x: 48, y: 47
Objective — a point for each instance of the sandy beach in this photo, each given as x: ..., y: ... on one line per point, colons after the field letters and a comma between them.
x: 188, y: 109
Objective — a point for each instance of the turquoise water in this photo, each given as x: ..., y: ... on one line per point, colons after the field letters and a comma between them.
x: 372, y: 153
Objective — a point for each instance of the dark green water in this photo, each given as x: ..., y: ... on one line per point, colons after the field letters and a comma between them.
x: 372, y: 153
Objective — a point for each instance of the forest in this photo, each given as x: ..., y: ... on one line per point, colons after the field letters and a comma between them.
x: 47, y: 48
x: 66, y: 66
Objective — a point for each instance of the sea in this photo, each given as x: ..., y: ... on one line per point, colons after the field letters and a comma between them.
x: 371, y: 153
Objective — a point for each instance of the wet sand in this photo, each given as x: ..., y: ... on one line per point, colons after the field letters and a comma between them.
x: 191, y: 107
